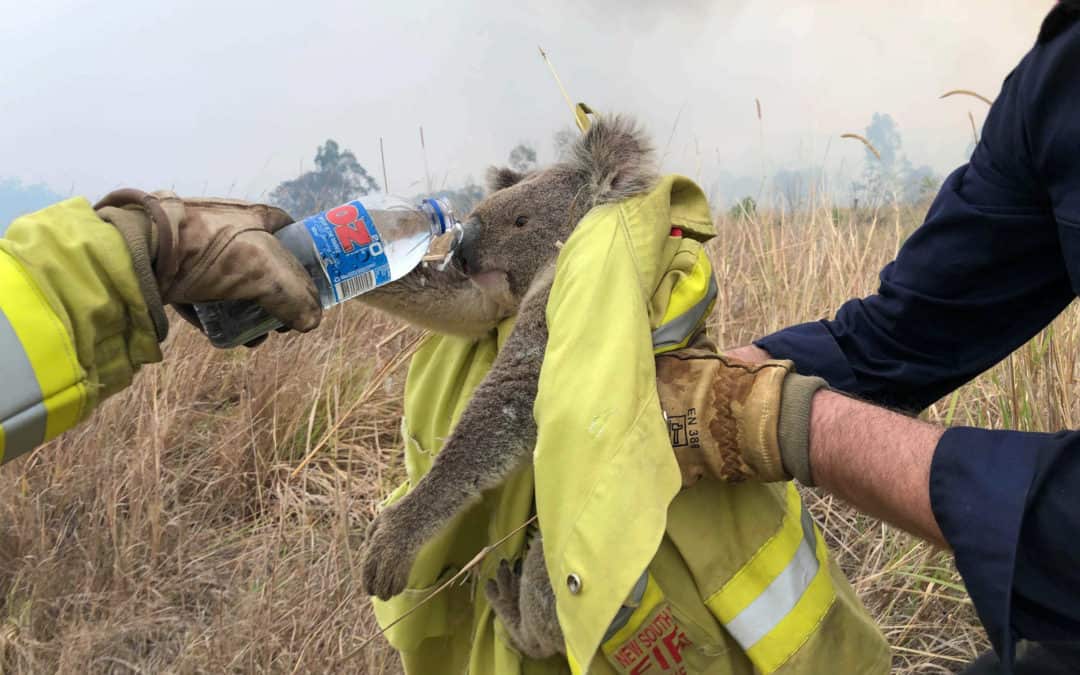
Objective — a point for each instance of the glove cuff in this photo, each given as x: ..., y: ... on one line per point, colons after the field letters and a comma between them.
x: 758, y: 418
x: 166, y: 214
x: 794, y: 426
x: 135, y: 226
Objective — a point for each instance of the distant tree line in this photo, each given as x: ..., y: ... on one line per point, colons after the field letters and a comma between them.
x: 337, y: 178
x: 17, y: 198
x: 892, y: 179
x: 887, y: 181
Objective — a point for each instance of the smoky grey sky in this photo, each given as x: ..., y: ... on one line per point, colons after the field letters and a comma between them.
x: 220, y: 97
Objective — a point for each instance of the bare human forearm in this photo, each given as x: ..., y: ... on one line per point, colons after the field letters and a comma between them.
x: 875, y: 459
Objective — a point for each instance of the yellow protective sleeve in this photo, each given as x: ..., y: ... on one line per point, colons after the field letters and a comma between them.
x: 74, y: 327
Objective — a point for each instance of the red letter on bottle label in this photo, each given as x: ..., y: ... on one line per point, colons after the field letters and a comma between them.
x: 348, y: 228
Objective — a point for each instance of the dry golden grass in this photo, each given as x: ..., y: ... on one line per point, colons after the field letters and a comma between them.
x: 169, y: 534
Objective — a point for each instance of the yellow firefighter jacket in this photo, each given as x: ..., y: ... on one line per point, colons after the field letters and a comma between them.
x: 74, y: 327
x: 648, y: 579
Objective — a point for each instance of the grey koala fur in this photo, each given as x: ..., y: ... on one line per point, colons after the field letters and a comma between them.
x: 509, y: 255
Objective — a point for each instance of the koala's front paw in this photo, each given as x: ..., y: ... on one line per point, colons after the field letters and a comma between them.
x: 391, y: 550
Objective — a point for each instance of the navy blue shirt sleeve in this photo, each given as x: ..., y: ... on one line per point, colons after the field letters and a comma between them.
x: 1007, y: 503
x: 995, y: 261
x: 981, y: 276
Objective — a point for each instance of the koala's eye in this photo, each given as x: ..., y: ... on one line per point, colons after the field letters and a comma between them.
x: 521, y: 221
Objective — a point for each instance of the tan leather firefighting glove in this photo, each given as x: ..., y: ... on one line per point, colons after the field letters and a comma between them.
x: 735, y: 421
x: 187, y: 251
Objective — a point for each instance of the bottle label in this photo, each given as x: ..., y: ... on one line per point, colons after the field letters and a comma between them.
x: 350, y: 250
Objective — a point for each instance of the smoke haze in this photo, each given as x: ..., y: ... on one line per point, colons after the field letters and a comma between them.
x: 211, y: 97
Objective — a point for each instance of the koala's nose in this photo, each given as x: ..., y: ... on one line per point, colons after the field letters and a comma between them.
x: 466, y: 252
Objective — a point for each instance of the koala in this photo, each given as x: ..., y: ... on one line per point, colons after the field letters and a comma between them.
x: 506, y: 266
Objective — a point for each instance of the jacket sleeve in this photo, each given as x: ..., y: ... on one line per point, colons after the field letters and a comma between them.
x: 74, y: 327
x: 1006, y: 502
x: 981, y: 276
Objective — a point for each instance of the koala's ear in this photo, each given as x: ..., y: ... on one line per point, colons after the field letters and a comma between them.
x: 501, y: 177
x: 616, y: 159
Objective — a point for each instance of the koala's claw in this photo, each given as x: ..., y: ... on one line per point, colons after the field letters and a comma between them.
x: 503, y: 592
x: 388, y: 558
x: 525, y: 609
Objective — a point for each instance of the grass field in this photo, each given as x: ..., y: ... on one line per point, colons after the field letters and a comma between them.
x: 169, y: 534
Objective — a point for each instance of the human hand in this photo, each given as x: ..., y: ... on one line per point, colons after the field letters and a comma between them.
x: 201, y: 250
x: 725, y: 414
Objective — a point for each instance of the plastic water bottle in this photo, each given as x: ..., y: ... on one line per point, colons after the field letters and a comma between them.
x: 348, y: 250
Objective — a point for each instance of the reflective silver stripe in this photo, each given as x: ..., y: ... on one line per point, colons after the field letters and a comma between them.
x: 24, y: 432
x: 780, y: 596
x: 627, y: 610
x: 22, y: 412
x: 678, y: 329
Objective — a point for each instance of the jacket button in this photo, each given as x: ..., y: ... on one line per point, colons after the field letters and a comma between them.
x: 573, y: 584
